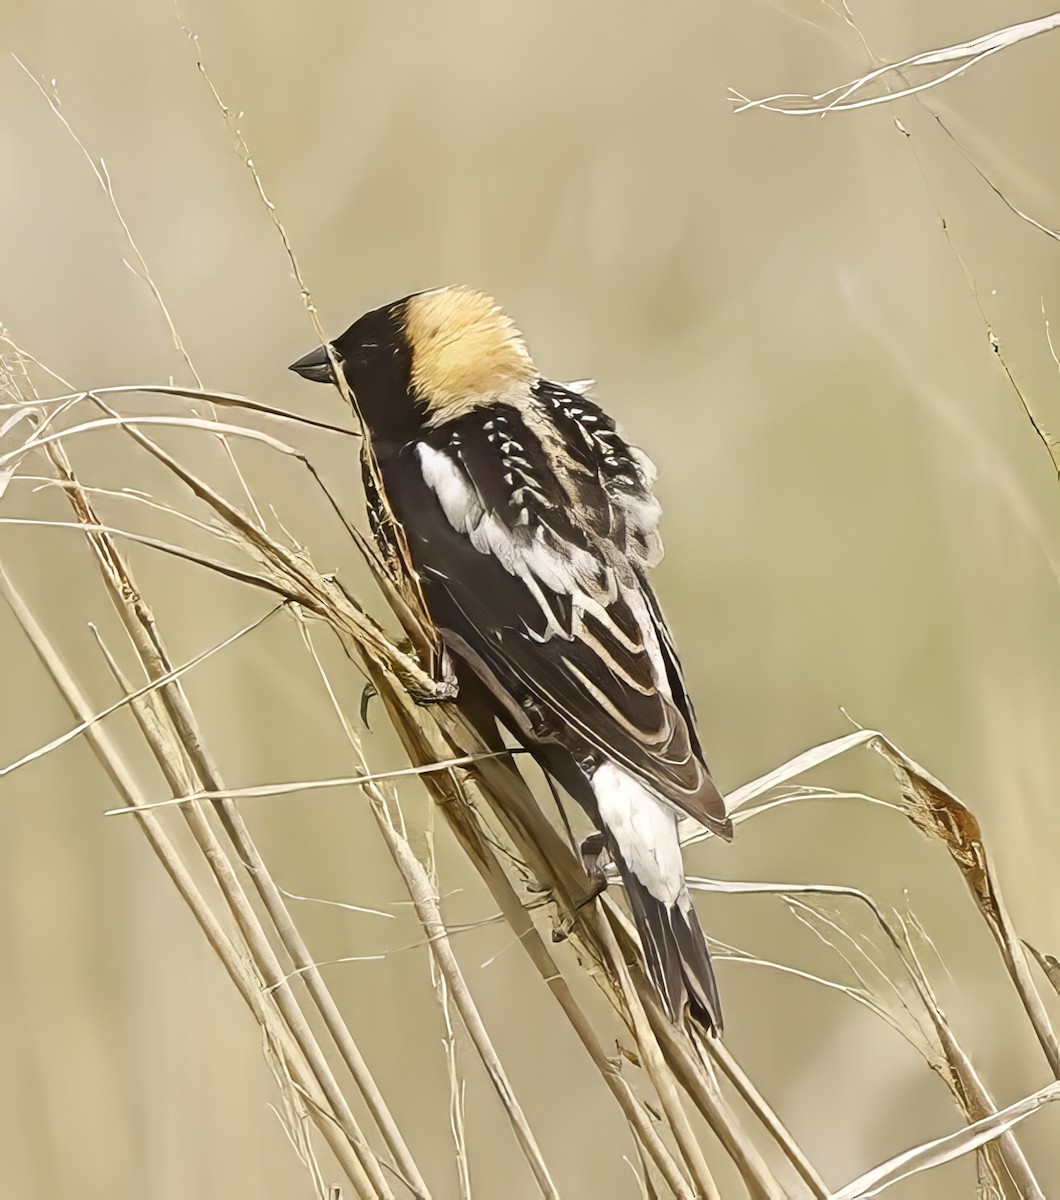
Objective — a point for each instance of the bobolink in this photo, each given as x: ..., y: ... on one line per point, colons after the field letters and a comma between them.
x: 532, y: 526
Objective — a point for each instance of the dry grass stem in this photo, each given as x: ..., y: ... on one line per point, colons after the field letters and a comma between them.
x: 943, y: 1150
x: 419, y: 885
x: 469, y: 775
x: 667, y: 1081
x: 235, y: 958
x: 845, y: 97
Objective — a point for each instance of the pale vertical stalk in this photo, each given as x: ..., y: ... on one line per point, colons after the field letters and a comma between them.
x: 685, y: 1062
x: 294, y: 944
x: 419, y: 888
x: 140, y: 625
x: 657, y: 1071
x: 756, y: 1102
x: 235, y: 959
x: 456, y: 1083
x: 273, y: 976
x: 424, y: 744
x: 759, y: 1178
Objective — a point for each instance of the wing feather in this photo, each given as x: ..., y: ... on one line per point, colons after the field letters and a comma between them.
x: 514, y: 565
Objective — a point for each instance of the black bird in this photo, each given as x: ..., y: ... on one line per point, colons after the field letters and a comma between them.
x: 532, y: 526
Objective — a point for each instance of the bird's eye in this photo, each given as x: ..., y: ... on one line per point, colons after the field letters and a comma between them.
x: 362, y: 354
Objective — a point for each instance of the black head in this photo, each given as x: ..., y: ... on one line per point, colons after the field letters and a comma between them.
x: 426, y: 359
x: 376, y: 360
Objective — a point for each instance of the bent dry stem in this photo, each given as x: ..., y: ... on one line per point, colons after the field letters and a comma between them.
x: 673, y: 1099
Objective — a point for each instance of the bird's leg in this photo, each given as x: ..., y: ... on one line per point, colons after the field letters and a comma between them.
x: 444, y: 678
x: 440, y: 689
x: 593, y: 854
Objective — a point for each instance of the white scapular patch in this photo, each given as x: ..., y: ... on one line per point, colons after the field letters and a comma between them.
x: 546, y: 564
x: 565, y: 570
x: 645, y: 830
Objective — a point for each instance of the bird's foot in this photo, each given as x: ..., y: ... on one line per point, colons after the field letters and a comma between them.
x: 593, y: 854
x: 443, y: 688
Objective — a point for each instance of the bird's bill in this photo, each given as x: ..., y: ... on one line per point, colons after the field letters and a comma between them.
x: 315, y: 366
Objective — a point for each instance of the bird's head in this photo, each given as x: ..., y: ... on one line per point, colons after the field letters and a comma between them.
x: 426, y: 359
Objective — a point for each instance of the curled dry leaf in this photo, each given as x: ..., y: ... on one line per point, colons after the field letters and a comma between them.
x: 933, y: 808
x: 937, y: 812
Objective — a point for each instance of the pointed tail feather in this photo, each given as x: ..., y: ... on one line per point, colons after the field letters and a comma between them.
x: 675, y: 952
x: 642, y: 835
x: 703, y: 999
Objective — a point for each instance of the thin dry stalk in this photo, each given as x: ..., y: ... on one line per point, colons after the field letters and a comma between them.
x: 719, y: 1053
x: 457, y: 1086
x: 443, y: 737
x: 422, y: 887
x: 946, y: 1149
x: 234, y: 957
x: 140, y: 624
x: 139, y: 266
x: 842, y: 98
x: 936, y: 810
x: 459, y: 813
x: 662, y: 1080
x: 473, y: 782
x: 422, y: 894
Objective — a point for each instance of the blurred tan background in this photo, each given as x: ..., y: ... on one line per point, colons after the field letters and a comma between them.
x: 858, y: 515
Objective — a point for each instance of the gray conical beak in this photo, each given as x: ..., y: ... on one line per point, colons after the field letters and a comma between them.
x: 315, y: 366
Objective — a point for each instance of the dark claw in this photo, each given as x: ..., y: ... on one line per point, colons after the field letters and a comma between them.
x: 443, y: 690
x: 369, y: 694
x: 593, y: 853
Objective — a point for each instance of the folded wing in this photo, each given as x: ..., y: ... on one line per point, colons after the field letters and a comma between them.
x: 533, y: 564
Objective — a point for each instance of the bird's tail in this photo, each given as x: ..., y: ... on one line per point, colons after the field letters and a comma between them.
x: 642, y: 836
x: 675, y: 951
